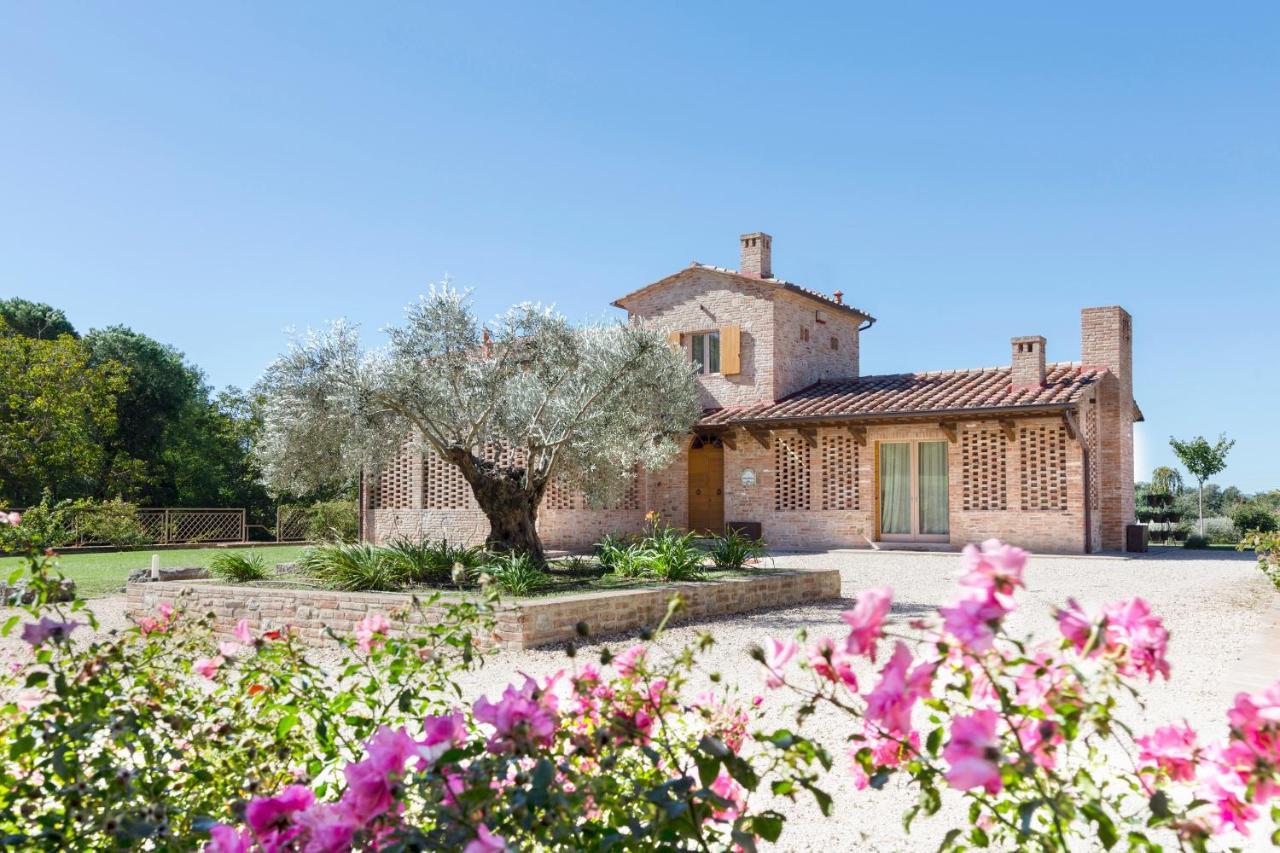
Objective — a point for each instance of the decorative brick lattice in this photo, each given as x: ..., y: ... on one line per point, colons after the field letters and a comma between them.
x: 982, y: 456
x: 791, y: 461
x: 558, y: 497
x: 631, y: 497
x: 394, y: 486
x: 443, y: 486
x: 1043, y: 452
x: 840, y: 460
x: 1091, y: 442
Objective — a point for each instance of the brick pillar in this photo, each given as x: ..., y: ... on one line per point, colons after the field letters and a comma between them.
x: 1106, y: 340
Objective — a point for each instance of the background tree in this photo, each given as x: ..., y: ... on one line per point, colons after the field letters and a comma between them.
x: 35, y: 319
x: 581, y: 406
x: 54, y: 402
x: 1166, y: 481
x: 1203, y: 460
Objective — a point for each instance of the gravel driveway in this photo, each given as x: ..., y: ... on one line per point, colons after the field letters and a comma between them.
x: 1216, y: 605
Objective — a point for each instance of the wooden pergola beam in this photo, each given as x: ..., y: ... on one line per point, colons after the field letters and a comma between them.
x: 859, y: 433
x: 949, y: 430
x: 1008, y: 427
x: 810, y: 436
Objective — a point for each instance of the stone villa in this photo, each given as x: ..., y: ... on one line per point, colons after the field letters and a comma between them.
x: 795, y: 440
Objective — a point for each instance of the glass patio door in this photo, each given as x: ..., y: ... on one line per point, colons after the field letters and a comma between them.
x: 913, y: 491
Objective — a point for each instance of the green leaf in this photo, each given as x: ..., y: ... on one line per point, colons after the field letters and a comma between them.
x: 948, y: 839
x: 934, y: 741
x: 1106, y: 827
x: 285, y: 725
x: 767, y: 825
x: 9, y: 625
x: 1159, y: 803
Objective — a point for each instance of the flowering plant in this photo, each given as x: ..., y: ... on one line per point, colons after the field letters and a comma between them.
x: 1030, y: 732
x: 161, y: 735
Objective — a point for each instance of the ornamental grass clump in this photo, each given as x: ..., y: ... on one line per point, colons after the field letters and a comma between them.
x: 515, y: 574
x: 239, y: 568
x: 352, y: 567
x: 733, y: 550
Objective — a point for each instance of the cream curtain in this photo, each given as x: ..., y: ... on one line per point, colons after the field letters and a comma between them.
x: 933, y: 487
x: 895, y: 488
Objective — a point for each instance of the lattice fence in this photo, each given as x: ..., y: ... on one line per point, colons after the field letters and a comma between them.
x: 840, y: 462
x: 982, y: 456
x: 291, y: 524
x: 1043, y: 456
x: 791, y: 462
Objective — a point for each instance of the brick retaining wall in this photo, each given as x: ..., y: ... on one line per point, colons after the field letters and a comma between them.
x: 522, y: 625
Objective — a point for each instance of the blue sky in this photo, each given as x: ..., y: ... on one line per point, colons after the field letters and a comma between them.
x: 211, y: 175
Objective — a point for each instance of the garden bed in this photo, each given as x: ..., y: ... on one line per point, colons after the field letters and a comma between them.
x: 520, y: 624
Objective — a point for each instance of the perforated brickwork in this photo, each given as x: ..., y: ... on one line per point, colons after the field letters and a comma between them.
x: 443, y: 486
x: 1043, y: 454
x: 631, y: 497
x: 982, y: 456
x: 840, y: 458
x: 394, y: 489
x: 1091, y: 442
x: 791, y: 461
x: 558, y: 497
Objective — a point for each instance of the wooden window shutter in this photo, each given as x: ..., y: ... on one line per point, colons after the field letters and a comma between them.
x: 673, y: 340
x: 730, y: 349
x: 731, y: 346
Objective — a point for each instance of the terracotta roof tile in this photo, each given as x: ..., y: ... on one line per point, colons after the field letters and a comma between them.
x: 955, y: 391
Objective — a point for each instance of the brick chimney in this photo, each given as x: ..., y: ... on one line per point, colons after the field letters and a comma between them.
x: 1028, y: 361
x: 1106, y: 340
x: 757, y: 255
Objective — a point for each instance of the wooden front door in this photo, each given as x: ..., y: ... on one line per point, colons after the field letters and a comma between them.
x: 706, y: 485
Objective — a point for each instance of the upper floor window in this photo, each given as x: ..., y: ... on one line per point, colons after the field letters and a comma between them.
x: 705, y: 351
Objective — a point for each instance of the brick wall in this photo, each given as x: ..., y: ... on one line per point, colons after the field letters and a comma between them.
x: 1038, y: 529
x: 702, y: 300
x: 522, y: 625
x: 802, y: 343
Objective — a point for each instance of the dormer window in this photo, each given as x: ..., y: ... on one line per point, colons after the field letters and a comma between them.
x: 705, y: 352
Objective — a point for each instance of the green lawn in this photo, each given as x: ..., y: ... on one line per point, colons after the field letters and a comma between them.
x: 104, y: 574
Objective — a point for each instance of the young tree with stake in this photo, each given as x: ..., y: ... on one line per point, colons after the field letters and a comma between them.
x: 1203, y: 460
x: 583, y: 407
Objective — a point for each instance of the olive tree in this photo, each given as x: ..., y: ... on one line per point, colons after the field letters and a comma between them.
x: 580, y: 406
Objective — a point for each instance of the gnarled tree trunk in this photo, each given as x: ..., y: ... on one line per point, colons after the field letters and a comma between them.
x: 510, y: 505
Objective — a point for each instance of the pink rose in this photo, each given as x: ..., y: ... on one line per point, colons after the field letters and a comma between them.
x: 974, y: 619
x: 207, y: 667
x: 627, y: 662
x: 974, y: 753
x: 866, y: 621
x: 371, y: 631
x: 485, y: 842
x: 1173, y: 749
x: 777, y: 654
x: 1141, y: 636
x: 522, y: 717
x: 889, y: 704
x: 831, y: 663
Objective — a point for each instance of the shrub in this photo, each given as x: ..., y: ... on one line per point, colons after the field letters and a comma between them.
x: 611, y: 549
x: 1267, y: 547
x: 327, y: 521
x: 1249, y: 517
x: 1220, y: 531
x: 239, y: 568
x: 50, y: 521
x: 354, y: 567
x: 734, y: 550
x: 516, y: 574
x: 113, y: 522
x: 1196, y: 541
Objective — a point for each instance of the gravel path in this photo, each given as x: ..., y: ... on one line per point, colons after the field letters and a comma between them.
x: 1215, y: 604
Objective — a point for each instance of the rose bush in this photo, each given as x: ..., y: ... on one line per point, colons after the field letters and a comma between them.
x: 162, y: 737
x: 1031, y: 733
